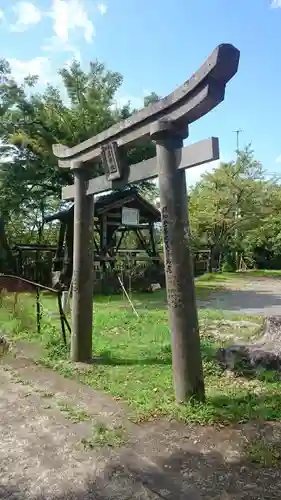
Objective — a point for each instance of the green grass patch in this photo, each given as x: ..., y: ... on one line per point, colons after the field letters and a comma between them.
x: 134, y: 359
x: 73, y: 413
x: 263, y: 453
x: 213, y: 282
x: 261, y: 273
x: 222, y: 278
x: 103, y: 436
x: 216, y: 277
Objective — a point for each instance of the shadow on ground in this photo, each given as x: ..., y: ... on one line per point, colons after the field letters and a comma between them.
x: 184, y: 475
x: 164, y: 357
x: 233, y: 400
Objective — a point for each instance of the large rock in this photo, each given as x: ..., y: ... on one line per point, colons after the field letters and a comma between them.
x: 264, y: 353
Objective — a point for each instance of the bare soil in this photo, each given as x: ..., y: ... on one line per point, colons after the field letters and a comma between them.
x: 42, y: 456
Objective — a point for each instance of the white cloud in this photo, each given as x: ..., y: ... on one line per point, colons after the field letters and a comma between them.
x: 2, y: 15
x: 27, y: 14
x: 278, y: 159
x: 122, y: 100
x: 102, y: 8
x: 275, y: 4
x: 67, y: 15
x: 38, y: 66
x: 57, y: 46
x: 136, y: 101
x: 193, y: 175
x: 70, y: 15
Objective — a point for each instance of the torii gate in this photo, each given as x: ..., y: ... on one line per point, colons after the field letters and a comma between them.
x: 166, y: 122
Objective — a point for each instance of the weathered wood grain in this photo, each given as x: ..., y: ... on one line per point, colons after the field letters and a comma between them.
x: 196, y: 97
x: 196, y: 154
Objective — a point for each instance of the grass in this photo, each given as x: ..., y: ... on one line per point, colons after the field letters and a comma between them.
x: 214, y: 279
x: 46, y: 394
x: 18, y: 380
x: 267, y: 273
x: 263, y: 453
x: 135, y: 359
x: 73, y: 413
x: 103, y: 436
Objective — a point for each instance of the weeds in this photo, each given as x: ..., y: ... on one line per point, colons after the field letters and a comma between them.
x: 263, y: 453
x: 16, y: 315
x: 18, y: 380
x: 18, y: 319
x: 46, y: 395
x: 103, y: 436
x: 73, y: 413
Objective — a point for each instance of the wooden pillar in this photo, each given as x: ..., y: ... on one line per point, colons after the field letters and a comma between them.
x: 153, y: 243
x: 20, y: 264
x: 67, y: 270
x: 50, y: 265
x: 103, y: 239
x: 82, y: 284
x: 186, y: 355
x: 58, y: 264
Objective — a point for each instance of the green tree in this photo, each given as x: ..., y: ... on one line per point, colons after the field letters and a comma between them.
x: 227, y: 203
x: 262, y: 243
x: 32, y: 122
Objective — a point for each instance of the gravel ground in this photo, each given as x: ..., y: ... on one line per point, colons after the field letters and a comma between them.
x: 260, y: 296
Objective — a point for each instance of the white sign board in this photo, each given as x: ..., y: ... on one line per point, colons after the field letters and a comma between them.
x: 130, y: 216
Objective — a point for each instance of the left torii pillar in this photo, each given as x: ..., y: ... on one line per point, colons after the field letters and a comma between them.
x: 82, y: 280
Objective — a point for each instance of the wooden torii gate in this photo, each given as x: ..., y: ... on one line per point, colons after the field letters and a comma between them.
x: 166, y: 122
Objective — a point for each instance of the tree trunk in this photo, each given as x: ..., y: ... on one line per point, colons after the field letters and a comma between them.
x: 214, y: 259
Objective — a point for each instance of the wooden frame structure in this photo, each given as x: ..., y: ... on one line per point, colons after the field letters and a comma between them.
x: 165, y: 122
x: 29, y: 261
x: 109, y: 231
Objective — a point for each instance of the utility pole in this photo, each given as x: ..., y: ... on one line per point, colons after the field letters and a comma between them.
x: 236, y: 215
x: 237, y: 132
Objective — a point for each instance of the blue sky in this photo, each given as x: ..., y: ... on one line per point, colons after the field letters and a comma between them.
x: 156, y: 45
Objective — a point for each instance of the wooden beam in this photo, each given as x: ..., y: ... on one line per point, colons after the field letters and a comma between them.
x: 196, y: 97
x: 113, y: 216
x: 143, y: 242
x: 196, y: 154
x: 134, y: 251
x: 127, y: 228
x: 117, y: 204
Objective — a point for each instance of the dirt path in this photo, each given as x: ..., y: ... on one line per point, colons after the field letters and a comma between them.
x: 42, y: 455
x: 261, y: 296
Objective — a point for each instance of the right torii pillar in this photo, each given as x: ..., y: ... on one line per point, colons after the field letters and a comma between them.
x: 186, y: 359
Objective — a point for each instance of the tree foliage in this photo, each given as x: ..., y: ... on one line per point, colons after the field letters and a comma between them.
x: 32, y: 121
x: 233, y: 210
x: 234, y: 207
